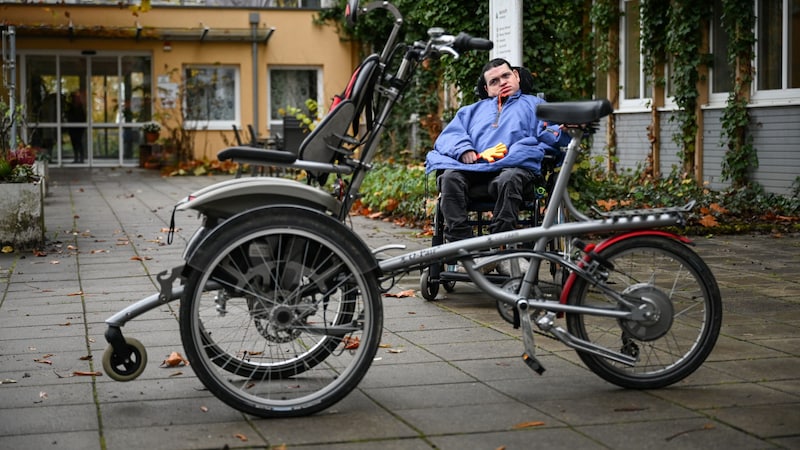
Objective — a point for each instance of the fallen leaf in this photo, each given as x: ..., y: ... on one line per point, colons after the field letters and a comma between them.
x: 351, y: 343
x: 7, y: 381
x: 86, y: 358
x: 395, y: 350
x: 39, y: 253
x: 65, y: 324
x: 204, y: 408
x: 82, y: 373
x: 43, y: 361
x: 708, y: 221
x: 8, y: 249
x: 629, y: 409
x: 55, y: 261
x: 141, y: 258
x: 241, y: 437
x: 385, y: 346
x: 43, y: 395
x: 402, y: 294
x: 175, y: 374
x: 75, y: 294
x: 536, y: 423
x: 174, y: 359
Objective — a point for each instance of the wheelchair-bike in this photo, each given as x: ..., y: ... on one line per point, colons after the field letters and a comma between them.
x: 280, y: 301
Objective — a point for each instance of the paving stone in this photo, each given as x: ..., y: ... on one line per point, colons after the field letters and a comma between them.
x: 456, y: 382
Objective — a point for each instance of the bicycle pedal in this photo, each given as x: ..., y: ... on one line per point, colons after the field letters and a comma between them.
x: 533, y: 363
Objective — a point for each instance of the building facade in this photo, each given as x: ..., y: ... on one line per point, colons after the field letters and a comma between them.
x: 90, y: 75
x: 773, y: 106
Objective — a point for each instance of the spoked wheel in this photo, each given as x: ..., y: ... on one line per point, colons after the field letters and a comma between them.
x: 125, y: 367
x: 663, y: 276
x: 294, y: 317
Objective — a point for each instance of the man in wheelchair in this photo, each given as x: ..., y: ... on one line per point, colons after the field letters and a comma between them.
x: 497, y: 141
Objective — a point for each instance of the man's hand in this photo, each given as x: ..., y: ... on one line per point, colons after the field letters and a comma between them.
x: 492, y: 154
x: 469, y: 157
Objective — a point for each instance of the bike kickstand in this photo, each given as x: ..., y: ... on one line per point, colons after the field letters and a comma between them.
x: 527, y: 338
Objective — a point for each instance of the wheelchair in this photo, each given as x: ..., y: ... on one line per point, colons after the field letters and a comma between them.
x: 481, y: 204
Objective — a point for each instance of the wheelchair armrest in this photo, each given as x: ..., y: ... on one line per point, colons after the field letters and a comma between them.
x: 254, y: 155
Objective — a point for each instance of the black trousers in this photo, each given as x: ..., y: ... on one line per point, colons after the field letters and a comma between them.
x: 506, y: 187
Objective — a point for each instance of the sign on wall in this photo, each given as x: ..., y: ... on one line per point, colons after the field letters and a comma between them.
x: 505, y: 30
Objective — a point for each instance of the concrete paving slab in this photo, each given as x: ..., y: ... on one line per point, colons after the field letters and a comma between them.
x: 458, y: 382
x: 696, y: 433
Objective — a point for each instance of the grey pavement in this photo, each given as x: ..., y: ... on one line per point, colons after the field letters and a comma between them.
x: 458, y: 384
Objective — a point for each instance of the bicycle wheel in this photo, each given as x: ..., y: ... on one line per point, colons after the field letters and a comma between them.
x: 294, y: 317
x: 667, y: 348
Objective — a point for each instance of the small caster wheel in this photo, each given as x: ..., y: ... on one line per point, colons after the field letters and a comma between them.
x: 125, y: 367
x: 428, y: 288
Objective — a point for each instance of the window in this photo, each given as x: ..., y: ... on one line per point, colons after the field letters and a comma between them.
x: 291, y: 87
x: 211, y: 100
x: 721, y: 70
x: 635, y: 88
x: 777, y: 49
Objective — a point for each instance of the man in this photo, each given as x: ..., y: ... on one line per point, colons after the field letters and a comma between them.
x: 497, y: 141
x: 76, y: 114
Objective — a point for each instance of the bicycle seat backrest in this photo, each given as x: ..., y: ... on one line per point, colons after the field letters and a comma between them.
x: 324, y: 143
x: 525, y: 83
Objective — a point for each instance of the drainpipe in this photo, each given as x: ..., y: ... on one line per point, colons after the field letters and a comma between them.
x: 254, y: 18
x: 9, y: 64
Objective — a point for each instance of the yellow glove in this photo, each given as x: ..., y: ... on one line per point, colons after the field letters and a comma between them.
x: 492, y: 154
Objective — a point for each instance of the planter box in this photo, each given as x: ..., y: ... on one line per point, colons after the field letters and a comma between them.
x: 22, y: 215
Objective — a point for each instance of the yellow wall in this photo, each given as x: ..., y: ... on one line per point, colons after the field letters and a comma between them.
x: 295, y: 42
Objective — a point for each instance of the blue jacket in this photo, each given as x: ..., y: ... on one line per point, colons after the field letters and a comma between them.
x: 518, y: 128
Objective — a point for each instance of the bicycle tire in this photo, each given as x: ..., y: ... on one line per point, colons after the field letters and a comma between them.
x: 297, y: 320
x: 669, y: 349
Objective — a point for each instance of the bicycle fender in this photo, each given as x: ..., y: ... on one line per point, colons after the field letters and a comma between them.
x: 198, y: 257
x: 231, y: 197
x: 613, y: 240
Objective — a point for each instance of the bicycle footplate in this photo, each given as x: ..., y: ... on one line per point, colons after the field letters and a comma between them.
x: 527, y: 337
x: 533, y: 363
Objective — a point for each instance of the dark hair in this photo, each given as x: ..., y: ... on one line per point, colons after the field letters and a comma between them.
x: 497, y: 62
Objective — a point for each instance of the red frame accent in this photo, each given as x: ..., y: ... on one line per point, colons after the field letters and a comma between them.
x: 613, y: 240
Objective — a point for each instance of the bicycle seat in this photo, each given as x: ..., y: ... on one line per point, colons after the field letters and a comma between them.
x: 574, y: 112
x: 257, y: 155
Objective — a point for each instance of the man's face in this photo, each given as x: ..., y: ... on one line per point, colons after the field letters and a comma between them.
x: 502, y: 81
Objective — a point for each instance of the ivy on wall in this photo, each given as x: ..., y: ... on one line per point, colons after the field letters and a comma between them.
x: 557, y: 49
x: 564, y: 43
x: 738, y: 21
x: 684, y: 44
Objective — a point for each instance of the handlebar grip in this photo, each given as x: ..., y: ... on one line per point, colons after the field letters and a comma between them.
x: 464, y: 42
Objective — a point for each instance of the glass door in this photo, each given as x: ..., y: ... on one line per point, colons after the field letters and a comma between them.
x: 75, y: 120
x: 88, y: 109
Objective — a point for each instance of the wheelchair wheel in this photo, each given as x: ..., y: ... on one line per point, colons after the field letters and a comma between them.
x: 505, y: 310
x: 292, y: 288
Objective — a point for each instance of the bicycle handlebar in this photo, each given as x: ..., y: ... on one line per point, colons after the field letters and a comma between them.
x: 464, y: 42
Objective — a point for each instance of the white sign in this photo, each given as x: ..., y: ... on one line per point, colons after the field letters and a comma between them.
x: 505, y: 30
